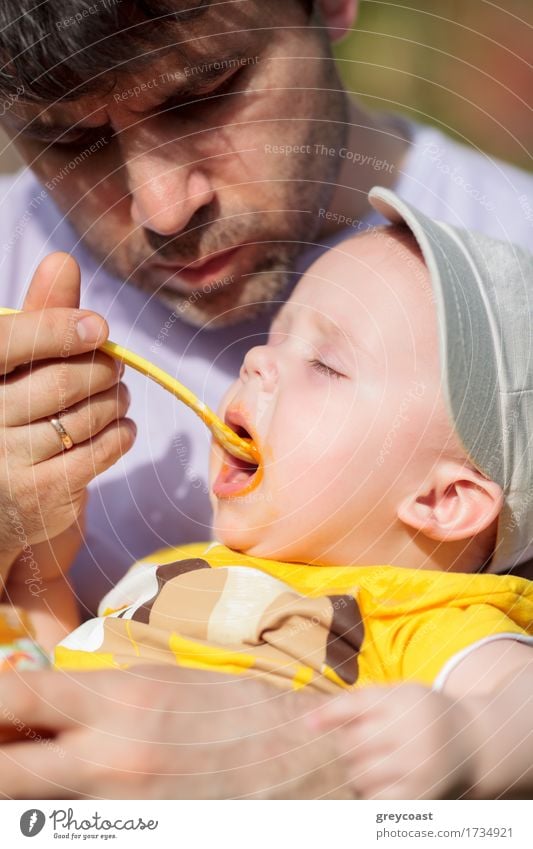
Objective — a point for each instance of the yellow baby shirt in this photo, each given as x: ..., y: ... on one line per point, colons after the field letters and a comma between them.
x: 204, y: 606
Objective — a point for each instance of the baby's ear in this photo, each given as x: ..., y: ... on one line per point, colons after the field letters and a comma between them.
x: 455, y: 503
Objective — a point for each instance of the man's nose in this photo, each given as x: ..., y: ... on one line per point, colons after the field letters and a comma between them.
x: 165, y: 194
x: 261, y: 362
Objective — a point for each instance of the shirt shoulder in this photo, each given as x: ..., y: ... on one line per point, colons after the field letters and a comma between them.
x: 31, y: 227
x: 467, y: 187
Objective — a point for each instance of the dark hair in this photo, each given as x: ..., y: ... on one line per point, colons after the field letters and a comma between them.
x: 61, y: 49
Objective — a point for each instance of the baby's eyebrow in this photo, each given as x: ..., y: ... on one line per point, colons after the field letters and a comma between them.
x: 352, y: 343
x: 326, y: 326
x: 330, y: 327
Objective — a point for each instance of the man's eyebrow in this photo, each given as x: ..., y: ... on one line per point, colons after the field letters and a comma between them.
x: 48, y: 132
x: 201, y: 74
x: 188, y: 82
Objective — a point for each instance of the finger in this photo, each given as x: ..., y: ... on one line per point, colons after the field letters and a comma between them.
x: 386, y: 779
x: 370, y: 775
x: 382, y: 787
x: 33, y: 770
x: 360, y: 741
x: 50, y: 492
x: 78, y: 466
x: 45, y: 388
x: 349, y: 707
x: 48, y: 334
x: 34, y: 700
x: 393, y: 789
x: 56, y: 283
x: 40, y: 441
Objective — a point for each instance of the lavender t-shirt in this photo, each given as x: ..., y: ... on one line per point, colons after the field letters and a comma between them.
x: 156, y: 495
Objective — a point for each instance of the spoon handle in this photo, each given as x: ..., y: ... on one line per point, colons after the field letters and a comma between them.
x: 235, y: 445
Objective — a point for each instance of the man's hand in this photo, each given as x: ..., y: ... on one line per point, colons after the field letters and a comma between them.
x: 51, y: 558
x: 162, y: 732
x: 403, y: 742
x: 51, y: 368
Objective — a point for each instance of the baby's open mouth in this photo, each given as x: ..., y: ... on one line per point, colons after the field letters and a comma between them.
x: 236, y: 476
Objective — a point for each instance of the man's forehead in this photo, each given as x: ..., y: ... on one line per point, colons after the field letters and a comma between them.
x: 193, y: 52
x: 149, y: 84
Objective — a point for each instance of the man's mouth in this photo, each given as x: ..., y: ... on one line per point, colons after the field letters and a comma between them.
x: 201, y: 271
x: 237, y: 477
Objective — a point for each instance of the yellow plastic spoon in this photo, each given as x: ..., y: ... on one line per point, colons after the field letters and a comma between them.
x: 235, y: 445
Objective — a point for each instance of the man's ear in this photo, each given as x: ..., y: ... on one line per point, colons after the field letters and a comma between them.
x: 456, y: 503
x: 338, y: 16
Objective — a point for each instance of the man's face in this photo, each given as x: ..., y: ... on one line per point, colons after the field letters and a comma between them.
x: 344, y: 405
x: 172, y: 177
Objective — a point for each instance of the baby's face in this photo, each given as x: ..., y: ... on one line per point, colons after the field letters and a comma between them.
x: 339, y: 403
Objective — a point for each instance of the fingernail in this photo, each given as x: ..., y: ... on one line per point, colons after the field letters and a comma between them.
x: 90, y: 328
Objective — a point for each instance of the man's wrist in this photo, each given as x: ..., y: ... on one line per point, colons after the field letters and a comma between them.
x: 472, y: 737
x: 7, y: 560
x: 259, y: 744
x: 285, y: 758
x: 503, y: 729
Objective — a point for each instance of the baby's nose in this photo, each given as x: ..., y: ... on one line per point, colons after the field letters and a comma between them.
x: 261, y: 362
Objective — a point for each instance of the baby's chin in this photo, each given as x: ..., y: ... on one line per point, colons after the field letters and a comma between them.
x: 238, y: 539
x: 254, y: 540
x: 232, y: 533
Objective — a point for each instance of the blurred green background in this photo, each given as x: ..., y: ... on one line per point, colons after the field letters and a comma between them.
x: 463, y: 65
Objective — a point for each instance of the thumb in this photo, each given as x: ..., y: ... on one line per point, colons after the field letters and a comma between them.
x: 56, y: 283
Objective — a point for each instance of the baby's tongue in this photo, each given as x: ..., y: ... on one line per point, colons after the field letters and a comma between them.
x: 233, y: 476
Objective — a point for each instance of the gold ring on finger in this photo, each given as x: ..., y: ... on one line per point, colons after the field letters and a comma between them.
x: 66, y: 439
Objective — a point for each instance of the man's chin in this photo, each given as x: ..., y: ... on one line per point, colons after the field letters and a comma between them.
x: 212, y: 307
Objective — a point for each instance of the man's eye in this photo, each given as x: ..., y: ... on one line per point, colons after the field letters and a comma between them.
x: 322, y: 368
x: 211, y: 95
x: 227, y: 85
x: 93, y: 141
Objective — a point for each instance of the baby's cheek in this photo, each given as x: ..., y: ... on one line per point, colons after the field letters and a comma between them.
x: 226, y: 398
x: 294, y: 485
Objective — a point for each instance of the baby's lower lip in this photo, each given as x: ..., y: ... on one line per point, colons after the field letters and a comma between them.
x: 236, y: 477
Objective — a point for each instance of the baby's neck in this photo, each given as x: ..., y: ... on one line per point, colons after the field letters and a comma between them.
x: 404, y: 547
x: 420, y: 552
